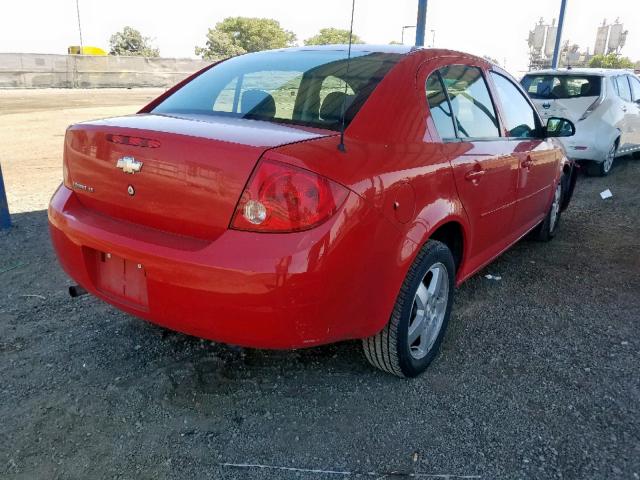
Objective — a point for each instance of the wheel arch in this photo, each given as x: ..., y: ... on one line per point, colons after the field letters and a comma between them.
x: 452, y: 234
x: 454, y: 231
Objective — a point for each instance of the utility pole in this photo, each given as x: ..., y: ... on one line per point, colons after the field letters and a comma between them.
x: 79, y: 26
x: 421, y: 22
x: 556, y: 50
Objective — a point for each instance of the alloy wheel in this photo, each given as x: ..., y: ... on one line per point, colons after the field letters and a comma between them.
x: 608, y: 162
x: 555, y: 208
x: 428, y: 312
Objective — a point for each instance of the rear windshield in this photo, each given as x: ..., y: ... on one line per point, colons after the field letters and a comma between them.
x: 304, y: 87
x: 549, y: 87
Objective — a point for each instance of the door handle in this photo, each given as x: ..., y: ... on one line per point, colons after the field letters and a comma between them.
x: 474, y: 175
x: 624, y: 109
x: 527, y: 162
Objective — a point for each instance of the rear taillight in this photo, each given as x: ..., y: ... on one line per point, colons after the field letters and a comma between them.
x: 282, y: 198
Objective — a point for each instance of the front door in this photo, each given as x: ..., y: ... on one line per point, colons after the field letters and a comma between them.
x: 537, y: 157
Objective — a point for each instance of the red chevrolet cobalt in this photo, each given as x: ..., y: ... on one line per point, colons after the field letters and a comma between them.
x: 292, y: 198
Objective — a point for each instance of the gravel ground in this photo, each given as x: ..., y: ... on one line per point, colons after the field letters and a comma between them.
x: 538, y: 376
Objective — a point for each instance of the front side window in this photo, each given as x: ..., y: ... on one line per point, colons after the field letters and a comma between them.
x: 305, y: 87
x: 470, y: 102
x: 439, y: 107
x: 519, y: 117
x: 622, y: 84
x: 552, y: 87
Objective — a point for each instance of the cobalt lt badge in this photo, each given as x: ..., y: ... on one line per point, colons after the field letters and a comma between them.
x: 129, y: 165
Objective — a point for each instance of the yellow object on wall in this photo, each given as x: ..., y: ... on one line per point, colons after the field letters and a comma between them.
x: 76, y: 50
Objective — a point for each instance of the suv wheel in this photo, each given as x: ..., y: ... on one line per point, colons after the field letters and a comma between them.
x: 410, y: 341
x: 602, y: 169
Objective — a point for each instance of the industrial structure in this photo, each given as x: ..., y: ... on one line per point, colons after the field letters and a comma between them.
x: 610, y: 38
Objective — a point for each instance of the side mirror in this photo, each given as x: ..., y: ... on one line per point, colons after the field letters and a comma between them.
x: 560, y: 127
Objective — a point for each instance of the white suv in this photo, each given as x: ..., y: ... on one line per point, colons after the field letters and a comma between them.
x: 604, y: 104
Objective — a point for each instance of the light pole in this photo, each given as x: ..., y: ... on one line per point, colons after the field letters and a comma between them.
x: 403, y: 29
x: 433, y: 38
x: 421, y: 22
x: 556, y: 50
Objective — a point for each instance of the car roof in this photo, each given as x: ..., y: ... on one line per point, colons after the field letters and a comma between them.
x: 356, y: 47
x: 600, y: 72
x: 398, y: 49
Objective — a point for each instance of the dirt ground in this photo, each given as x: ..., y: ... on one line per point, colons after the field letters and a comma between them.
x: 539, y: 376
x: 32, y: 126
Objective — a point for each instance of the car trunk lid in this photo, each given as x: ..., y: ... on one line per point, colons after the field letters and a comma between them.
x: 179, y: 174
x: 571, y: 108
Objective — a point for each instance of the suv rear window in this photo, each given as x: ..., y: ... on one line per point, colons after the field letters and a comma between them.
x: 549, y: 87
x: 304, y: 87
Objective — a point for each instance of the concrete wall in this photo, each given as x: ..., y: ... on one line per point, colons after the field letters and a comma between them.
x: 32, y: 70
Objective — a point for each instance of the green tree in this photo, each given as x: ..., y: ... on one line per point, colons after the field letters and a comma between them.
x: 237, y: 35
x: 130, y: 42
x: 610, y: 61
x: 330, y: 36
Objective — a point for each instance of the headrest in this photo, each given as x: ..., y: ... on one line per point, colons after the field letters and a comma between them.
x: 258, y: 103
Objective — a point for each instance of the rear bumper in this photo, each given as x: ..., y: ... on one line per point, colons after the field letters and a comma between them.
x: 592, y: 141
x: 255, y: 290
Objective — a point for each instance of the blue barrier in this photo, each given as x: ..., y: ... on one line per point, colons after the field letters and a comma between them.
x: 5, y: 219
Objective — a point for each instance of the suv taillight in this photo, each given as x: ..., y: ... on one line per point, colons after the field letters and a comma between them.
x: 592, y: 107
x: 283, y: 198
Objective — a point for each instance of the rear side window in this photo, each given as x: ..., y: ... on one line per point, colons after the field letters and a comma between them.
x: 551, y: 87
x: 635, y: 88
x: 520, y: 119
x: 439, y: 107
x: 622, y: 84
x: 471, y: 103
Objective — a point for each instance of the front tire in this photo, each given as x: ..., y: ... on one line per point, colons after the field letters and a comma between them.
x: 547, y: 229
x: 411, y: 339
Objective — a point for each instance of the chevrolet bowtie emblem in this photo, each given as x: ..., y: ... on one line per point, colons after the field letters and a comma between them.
x: 129, y: 165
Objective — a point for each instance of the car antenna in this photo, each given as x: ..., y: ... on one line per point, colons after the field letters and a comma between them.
x: 341, y: 146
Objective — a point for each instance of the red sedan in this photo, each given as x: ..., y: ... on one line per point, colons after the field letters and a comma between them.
x: 232, y: 208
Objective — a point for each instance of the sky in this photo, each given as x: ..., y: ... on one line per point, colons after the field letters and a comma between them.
x: 498, y: 28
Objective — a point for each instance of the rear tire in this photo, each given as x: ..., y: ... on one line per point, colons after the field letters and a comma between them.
x: 411, y: 339
x: 549, y: 226
x: 602, y: 169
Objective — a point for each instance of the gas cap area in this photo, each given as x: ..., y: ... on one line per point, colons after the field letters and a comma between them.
x: 400, y: 202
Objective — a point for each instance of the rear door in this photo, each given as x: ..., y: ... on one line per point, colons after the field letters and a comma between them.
x: 627, y: 123
x: 485, y: 172
x: 538, y: 158
x: 634, y: 112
